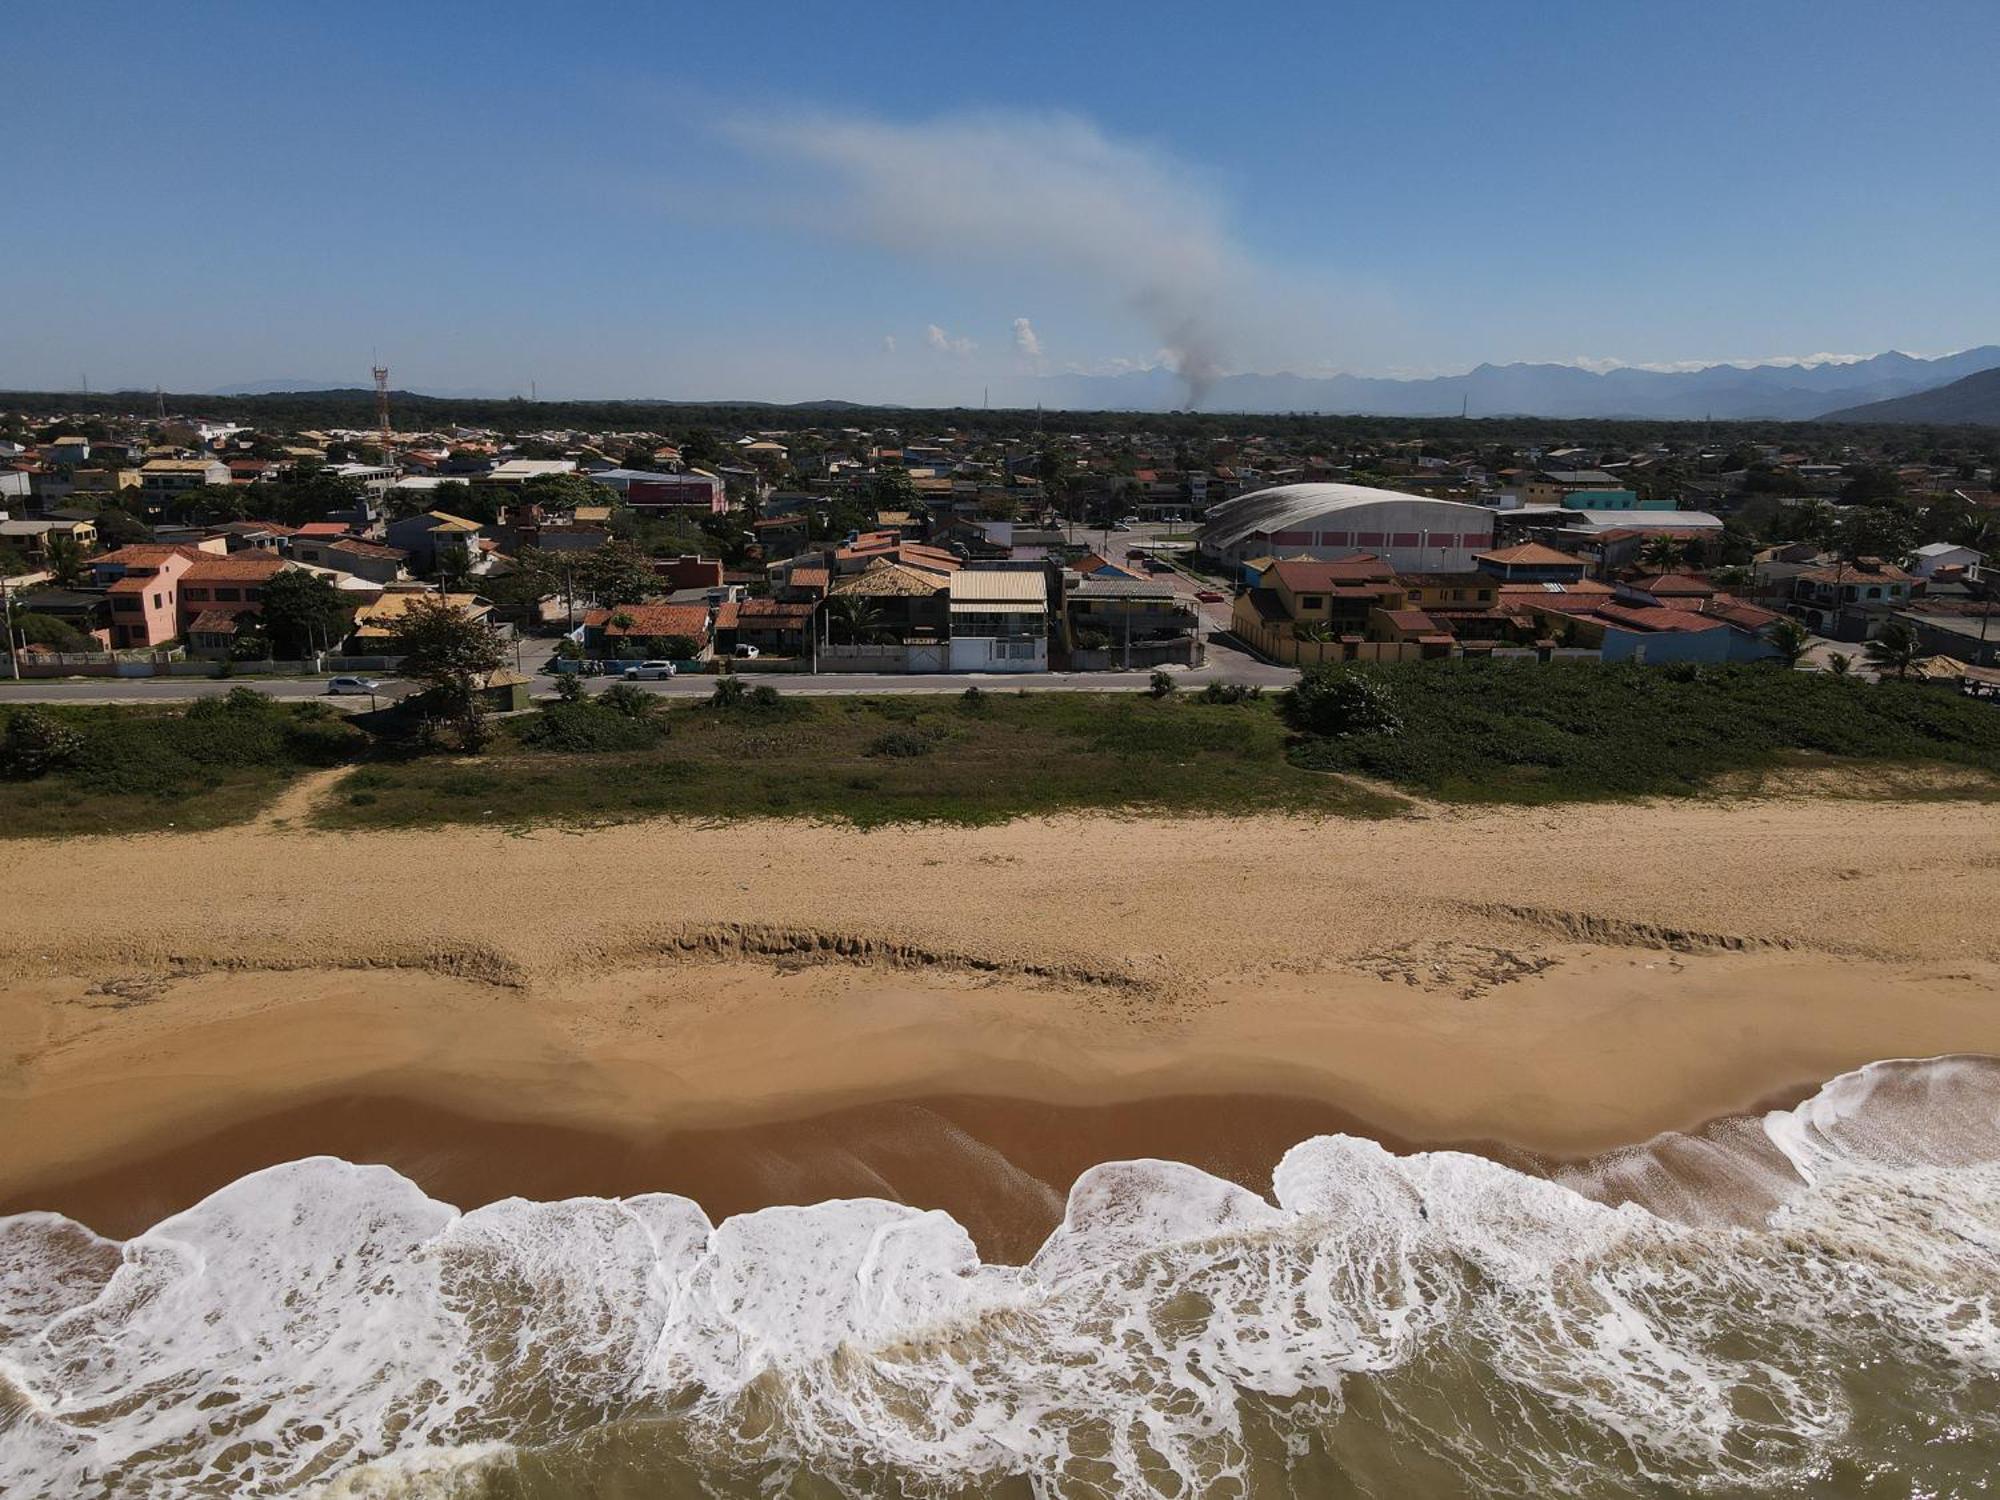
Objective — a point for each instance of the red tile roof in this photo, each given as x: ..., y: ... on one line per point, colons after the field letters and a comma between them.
x: 213, y: 622
x: 1302, y: 575
x: 1532, y: 554
x: 242, y: 568
x: 652, y: 620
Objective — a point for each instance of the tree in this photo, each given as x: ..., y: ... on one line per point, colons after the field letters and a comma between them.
x: 1663, y: 553
x: 1341, y: 700
x: 1791, y: 639
x: 33, y: 628
x: 1840, y: 663
x: 303, y: 613
x: 1876, y: 531
x: 36, y: 742
x: 616, y: 573
x: 1871, y: 484
x: 1894, y: 650
x: 452, y: 653
x: 565, y: 492
x: 65, y: 560
x: 855, y: 618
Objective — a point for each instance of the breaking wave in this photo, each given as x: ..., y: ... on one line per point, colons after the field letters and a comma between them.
x: 1804, y: 1304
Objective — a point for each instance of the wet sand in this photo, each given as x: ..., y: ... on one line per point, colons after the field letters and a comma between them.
x: 962, y: 1019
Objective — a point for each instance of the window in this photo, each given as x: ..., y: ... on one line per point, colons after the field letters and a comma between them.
x: 196, y: 594
x: 228, y: 596
x: 159, y: 602
x: 1312, y: 601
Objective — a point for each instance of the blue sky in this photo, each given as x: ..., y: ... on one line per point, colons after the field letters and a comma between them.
x: 789, y: 200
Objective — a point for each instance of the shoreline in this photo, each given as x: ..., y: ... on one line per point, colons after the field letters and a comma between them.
x: 746, y: 1085
x: 1547, y: 983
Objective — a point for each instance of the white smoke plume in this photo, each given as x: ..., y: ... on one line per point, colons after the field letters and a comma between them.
x: 1054, y: 192
x: 888, y: 343
x: 944, y: 343
x: 1026, y: 340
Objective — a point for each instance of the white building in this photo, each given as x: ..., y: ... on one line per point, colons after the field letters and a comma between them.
x: 1325, y: 521
x: 1935, y: 555
x: 999, y: 620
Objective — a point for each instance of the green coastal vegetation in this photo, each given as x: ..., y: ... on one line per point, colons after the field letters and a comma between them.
x: 754, y: 751
x: 135, y: 770
x: 1467, y: 731
x: 1344, y: 744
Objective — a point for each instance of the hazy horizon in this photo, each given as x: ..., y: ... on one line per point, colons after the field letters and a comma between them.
x: 610, y: 201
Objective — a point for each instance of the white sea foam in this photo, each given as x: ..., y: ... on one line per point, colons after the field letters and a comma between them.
x: 322, y: 1323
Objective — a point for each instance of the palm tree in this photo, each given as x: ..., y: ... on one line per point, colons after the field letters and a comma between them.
x: 1663, y: 553
x: 859, y: 619
x: 65, y: 560
x: 1791, y: 639
x: 1894, y: 650
x: 1840, y: 664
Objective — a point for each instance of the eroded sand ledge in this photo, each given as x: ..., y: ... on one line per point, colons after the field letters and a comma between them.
x: 776, y: 1012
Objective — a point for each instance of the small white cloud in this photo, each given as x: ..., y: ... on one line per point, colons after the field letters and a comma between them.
x: 888, y: 343
x: 944, y: 343
x: 1026, y: 340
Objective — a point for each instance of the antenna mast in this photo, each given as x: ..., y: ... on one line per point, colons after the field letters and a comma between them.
x: 382, y: 407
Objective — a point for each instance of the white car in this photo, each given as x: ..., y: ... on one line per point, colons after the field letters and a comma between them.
x: 649, y: 671
x: 369, y: 686
x: 746, y: 651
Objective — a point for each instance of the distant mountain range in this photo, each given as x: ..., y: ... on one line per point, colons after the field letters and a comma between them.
x: 1973, y: 401
x: 1726, y: 392
x: 320, y: 387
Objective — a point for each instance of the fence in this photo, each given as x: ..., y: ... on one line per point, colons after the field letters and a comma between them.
x: 173, y: 664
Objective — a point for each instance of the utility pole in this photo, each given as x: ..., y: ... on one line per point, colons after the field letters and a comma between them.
x: 381, y: 373
x: 7, y: 614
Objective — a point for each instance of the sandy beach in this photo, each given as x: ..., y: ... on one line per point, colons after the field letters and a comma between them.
x: 762, y: 1013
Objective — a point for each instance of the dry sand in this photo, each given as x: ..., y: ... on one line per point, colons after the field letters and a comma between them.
x: 778, y: 1012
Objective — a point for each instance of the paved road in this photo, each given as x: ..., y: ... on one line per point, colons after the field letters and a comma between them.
x: 1225, y: 663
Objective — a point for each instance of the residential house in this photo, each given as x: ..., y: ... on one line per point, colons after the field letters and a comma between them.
x: 1114, y: 619
x: 999, y: 620
x: 436, y: 538
x: 776, y: 627
x: 635, y: 632
x: 1850, y: 601
x: 521, y: 470
x: 375, y: 622
x: 162, y: 479
x: 1940, y: 556
x: 1531, y: 562
x: 34, y: 537
x: 350, y: 554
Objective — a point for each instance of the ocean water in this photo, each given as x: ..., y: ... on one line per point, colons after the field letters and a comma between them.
x: 1803, y: 1304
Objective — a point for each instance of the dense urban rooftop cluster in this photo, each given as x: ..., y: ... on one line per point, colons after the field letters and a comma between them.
x: 935, y: 542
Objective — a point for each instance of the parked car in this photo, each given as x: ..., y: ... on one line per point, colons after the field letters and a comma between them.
x: 1208, y: 596
x: 649, y: 671
x: 1128, y: 521
x: 367, y: 686
x: 746, y: 651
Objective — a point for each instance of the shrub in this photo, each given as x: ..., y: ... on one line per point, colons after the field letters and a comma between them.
x: 321, y: 740
x: 36, y: 743
x: 1528, y: 730
x: 628, y: 701
x: 902, y: 744
x: 729, y: 691
x: 1162, y: 685
x: 763, y: 697
x: 973, y: 699
x: 1340, y: 700
x: 589, y: 728
x: 1230, y: 692
x: 569, y: 687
